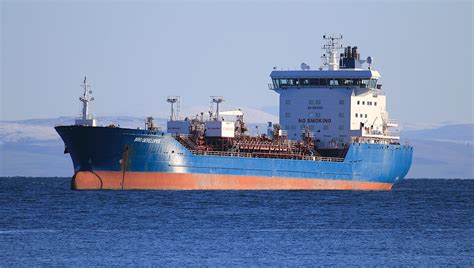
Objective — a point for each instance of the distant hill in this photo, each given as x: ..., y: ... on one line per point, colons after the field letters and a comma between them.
x: 443, y: 152
x: 458, y: 133
x: 32, y: 147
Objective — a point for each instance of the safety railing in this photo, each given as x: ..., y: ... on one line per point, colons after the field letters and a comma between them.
x: 373, y: 140
x: 392, y: 133
x: 392, y: 121
x: 267, y: 155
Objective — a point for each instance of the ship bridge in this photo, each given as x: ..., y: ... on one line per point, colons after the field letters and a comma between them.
x: 337, y: 102
x: 324, y: 78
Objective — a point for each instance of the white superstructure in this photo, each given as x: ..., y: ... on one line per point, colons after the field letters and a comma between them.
x: 336, y: 103
x: 215, y: 126
x: 175, y: 125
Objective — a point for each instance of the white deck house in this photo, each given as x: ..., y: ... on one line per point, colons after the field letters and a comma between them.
x: 335, y: 104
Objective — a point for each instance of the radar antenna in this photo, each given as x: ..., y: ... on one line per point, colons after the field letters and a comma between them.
x: 174, y: 113
x: 331, y: 47
x: 369, y: 61
x: 217, y: 100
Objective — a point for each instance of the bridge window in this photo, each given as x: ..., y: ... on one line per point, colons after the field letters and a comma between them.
x: 367, y: 83
x: 337, y: 82
x: 314, y: 115
x: 333, y: 82
x: 315, y: 82
x: 363, y: 83
x: 373, y: 83
x: 276, y: 83
x: 357, y: 115
x: 348, y: 82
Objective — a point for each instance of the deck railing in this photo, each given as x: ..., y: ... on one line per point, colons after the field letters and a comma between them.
x: 373, y: 140
x: 392, y: 122
x: 267, y: 155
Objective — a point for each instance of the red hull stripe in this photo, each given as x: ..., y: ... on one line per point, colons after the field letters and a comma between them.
x: 116, y: 180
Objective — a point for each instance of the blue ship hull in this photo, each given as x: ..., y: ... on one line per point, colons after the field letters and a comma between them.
x: 118, y: 158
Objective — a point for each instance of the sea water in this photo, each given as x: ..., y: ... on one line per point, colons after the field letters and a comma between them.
x: 420, y: 222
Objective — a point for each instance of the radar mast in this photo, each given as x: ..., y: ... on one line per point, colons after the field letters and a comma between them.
x: 174, y: 113
x: 217, y: 100
x: 332, y: 45
x: 87, y: 117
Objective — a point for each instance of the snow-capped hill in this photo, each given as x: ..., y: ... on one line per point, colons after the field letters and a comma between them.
x: 43, y: 129
x: 457, y: 133
x: 17, y: 132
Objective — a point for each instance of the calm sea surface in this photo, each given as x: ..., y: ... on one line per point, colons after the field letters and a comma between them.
x: 420, y: 222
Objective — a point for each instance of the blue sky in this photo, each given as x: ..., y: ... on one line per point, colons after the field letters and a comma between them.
x: 137, y: 53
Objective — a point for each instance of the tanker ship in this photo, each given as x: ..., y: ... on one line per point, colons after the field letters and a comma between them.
x: 334, y: 133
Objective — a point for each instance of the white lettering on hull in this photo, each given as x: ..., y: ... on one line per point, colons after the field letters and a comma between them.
x: 147, y: 140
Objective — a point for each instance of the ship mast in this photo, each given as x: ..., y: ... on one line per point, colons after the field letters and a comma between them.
x: 217, y: 100
x: 85, y: 99
x: 332, y: 46
x: 87, y: 117
x: 174, y: 112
